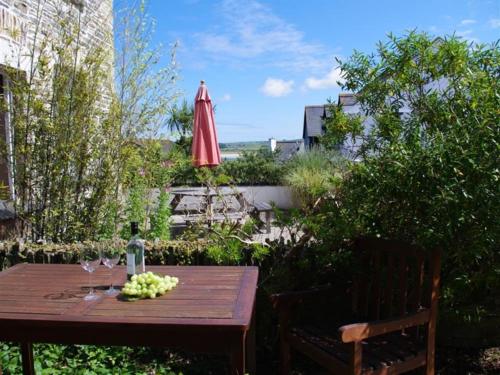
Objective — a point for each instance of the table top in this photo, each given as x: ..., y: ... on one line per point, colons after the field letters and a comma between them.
x: 205, y: 296
x: 211, y: 192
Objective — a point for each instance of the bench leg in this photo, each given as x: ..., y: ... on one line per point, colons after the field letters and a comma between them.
x: 268, y: 221
x: 27, y: 358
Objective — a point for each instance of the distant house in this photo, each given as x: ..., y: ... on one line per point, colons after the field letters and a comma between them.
x: 314, y: 128
x: 286, y: 148
x: 314, y: 123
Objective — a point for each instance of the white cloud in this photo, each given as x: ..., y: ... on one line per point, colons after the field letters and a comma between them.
x: 433, y: 28
x: 467, y: 35
x: 276, y: 87
x: 494, y: 23
x: 250, y: 30
x: 225, y: 98
x: 467, y: 22
x: 330, y: 80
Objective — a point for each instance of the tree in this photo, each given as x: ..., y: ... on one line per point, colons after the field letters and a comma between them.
x: 75, y: 135
x: 429, y: 165
x: 181, y: 119
x: 64, y: 141
x: 145, y: 87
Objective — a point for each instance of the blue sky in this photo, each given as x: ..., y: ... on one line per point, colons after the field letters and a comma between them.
x: 263, y: 61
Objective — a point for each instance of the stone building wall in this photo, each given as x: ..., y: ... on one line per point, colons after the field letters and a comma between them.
x: 19, y: 20
x: 24, y: 24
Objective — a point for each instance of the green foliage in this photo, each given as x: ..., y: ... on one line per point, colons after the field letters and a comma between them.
x: 314, y: 174
x: 75, y: 138
x: 147, y: 171
x: 429, y: 176
x: 145, y: 86
x: 254, y: 168
x: 160, y: 220
x: 180, y: 122
x: 64, y: 144
x: 339, y: 126
x: 86, y: 360
x: 260, y: 167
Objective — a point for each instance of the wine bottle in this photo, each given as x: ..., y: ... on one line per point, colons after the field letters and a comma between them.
x: 135, y: 252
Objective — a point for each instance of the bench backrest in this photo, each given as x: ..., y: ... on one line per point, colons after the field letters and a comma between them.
x: 394, y: 279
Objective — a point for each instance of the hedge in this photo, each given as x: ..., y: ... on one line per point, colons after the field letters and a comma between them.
x: 156, y: 253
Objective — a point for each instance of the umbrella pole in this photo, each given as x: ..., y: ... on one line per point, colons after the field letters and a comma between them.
x: 209, y: 206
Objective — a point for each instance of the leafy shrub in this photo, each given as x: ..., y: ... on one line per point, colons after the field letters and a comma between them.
x: 313, y: 174
x: 254, y: 168
x: 251, y: 168
x: 430, y: 175
x: 160, y: 220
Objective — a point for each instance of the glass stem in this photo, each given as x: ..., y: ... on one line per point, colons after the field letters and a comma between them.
x: 111, y: 279
x: 91, y: 288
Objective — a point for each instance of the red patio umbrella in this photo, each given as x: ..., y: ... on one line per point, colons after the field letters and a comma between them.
x: 205, y: 149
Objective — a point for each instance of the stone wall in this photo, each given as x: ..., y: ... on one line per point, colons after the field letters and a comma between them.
x: 24, y: 22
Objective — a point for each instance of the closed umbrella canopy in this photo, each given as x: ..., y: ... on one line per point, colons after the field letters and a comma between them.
x: 205, y: 149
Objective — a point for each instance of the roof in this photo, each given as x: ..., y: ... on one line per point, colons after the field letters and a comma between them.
x: 346, y: 99
x: 287, y: 149
x: 313, y: 120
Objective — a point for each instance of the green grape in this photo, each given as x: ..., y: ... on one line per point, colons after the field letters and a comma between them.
x: 149, y: 285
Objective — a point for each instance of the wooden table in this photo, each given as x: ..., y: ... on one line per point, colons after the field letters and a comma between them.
x: 211, y: 310
x: 207, y: 199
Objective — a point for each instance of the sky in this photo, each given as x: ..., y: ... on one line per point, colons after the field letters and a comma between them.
x: 264, y: 60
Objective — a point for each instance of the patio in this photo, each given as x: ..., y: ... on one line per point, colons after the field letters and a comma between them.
x: 327, y: 251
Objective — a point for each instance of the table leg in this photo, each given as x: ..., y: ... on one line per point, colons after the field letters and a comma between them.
x: 175, y: 202
x: 242, y: 202
x: 238, y: 357
x: 27, y: 358
x: 251, y: 358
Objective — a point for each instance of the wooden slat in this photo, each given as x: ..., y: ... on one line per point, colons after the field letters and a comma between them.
x: 417, y: 298
x: 389, y: 289
x: 375, y: 292
x: 363, y: 286
x: 403, y: 284
x: 318, y: 355
x: 169, y: 313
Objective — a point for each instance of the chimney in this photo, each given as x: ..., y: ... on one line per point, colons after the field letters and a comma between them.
x: 272, y: 144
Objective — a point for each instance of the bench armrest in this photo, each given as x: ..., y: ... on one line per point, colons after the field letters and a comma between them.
x: 361, y: 331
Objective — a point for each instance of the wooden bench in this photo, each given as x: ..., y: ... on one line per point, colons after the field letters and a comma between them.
x: 267, y: 209
x: 216, y: 218
x: 393, y: 312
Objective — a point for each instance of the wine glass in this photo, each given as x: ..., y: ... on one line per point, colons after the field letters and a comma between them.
x: 90, y: 258
x: 111, y: 251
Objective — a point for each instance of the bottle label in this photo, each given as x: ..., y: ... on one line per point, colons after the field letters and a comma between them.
x: 130, y: 264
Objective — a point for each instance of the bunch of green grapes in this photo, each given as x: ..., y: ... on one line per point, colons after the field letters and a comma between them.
x: 148, y: 285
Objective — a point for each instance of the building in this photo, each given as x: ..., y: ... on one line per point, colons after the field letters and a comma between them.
x: 23, y: 24
x: 286, y: 148
x: 314, y: 128
x: 314, y: 124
